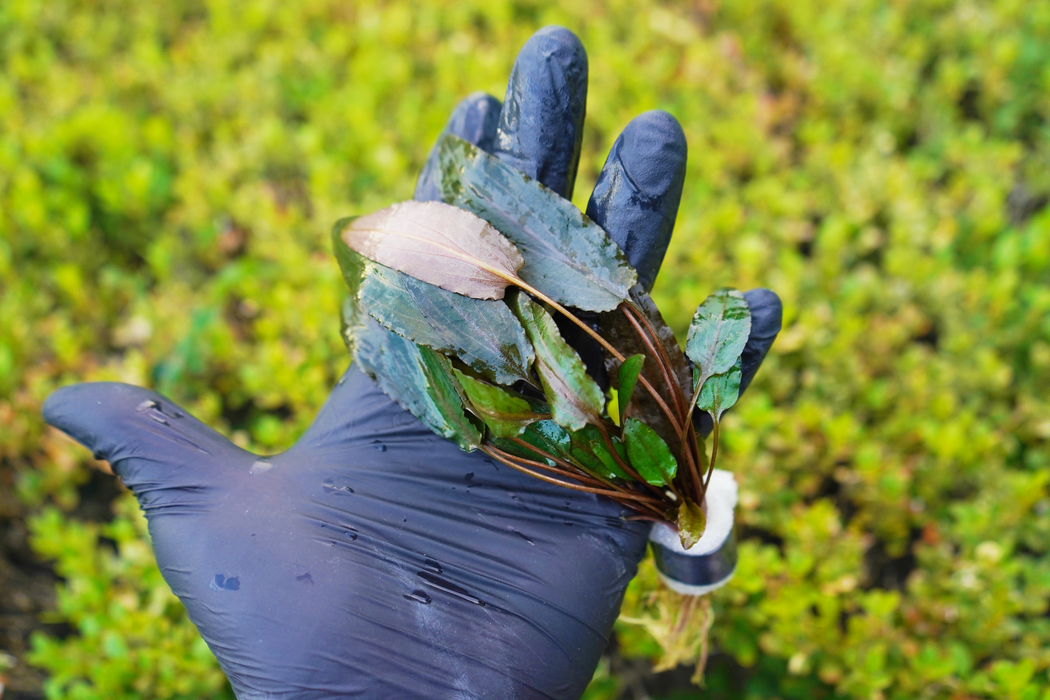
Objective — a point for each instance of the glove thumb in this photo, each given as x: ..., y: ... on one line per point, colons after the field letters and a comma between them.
x: 157, y: 448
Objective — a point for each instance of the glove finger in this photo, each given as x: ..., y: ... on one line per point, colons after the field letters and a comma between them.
x: 638, y: 191
x: 766, y: 317
x: 475, y: 119
x: 162, y: 453
x: 541, y: 124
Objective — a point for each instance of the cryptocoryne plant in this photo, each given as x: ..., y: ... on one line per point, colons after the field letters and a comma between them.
x: 460, y: 311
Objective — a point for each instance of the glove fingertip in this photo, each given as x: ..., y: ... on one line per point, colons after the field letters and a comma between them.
x: 639, y: 189
x: 558, y: 41
x: 80, y: 410
x: 767, y: 313
x: 541, y: 124
x: 654, y: 153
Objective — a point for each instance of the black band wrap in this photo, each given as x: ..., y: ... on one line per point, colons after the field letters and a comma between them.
x: 702, y: 570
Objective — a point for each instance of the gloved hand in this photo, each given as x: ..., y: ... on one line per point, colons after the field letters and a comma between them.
x: 374, y: 559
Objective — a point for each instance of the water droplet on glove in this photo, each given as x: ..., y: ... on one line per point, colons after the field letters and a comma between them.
x: 419, y: 597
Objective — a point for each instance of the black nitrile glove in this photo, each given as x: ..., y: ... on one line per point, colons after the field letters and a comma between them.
x: 374, y: 559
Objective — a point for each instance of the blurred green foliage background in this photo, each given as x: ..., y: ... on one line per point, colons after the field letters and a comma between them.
x: 169, y: 172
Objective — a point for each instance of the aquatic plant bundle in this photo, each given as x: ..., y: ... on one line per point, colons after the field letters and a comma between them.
x: 460, y: 311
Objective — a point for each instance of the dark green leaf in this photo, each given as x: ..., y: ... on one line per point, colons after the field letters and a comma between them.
x: 546, y: 435
x: 574, y: 398
x: 718, y: 332
x: 437, y: 243
x: 720, y: 392
x: 484, y: 334
x: 505, y: 414
x: 567, y: 256
x: 413, y: 375
x: 692, y: 521
x: 590, y: 449
x: 621, y: 334
x: 629, y: 372
x: 650, y: 456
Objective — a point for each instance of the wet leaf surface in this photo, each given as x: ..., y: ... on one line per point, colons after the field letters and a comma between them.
x: 413, y: 375
x: 484, y: 334
x: 573, y: 396
x: 649, y: 454
x: 692, y: 521
x: 718, y: 333
x: 546, y: 435
x: 567, y: 256
x: 505, y: 414
x: 437, y: 243
x: 590, y: 449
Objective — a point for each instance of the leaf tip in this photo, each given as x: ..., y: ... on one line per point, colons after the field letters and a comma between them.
x: 692, y: 521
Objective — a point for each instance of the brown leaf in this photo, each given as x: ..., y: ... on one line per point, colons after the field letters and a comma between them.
x: 440, y: 244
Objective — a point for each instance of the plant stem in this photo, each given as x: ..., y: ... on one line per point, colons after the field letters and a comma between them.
x: 509, y: 459
x: 664, y: 360
x: 692, y: 402
x: 547, y: 455
x: 714, y: 455
x: 694, y: 472
x: 566, y: 469
x: 653, y: 352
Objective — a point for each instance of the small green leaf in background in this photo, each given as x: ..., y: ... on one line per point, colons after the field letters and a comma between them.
x: 505, y: 414
x: 568, y: 257
x: 476, y: 260
x: 720, y: 392
x: 649, y: 454
x: 718, y: 333
x: 629, y: 371
x: 590, y: 450
x: 692, y: 521
x: 574, y: 398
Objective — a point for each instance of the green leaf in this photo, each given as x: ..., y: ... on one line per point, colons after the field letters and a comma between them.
x: 591, y: 451
x: 692, y: 521
x: 718, y: 332
x: 574, y: 398
x: 567, y: 256
x: 413, y: 375
x: 483, y: 334
x: 629, y: 371
x: 650, y: 456
x: 720, y: 392
x: 546, y: 435
x: 505, y: 414
x: 437, y: 243
x: 621, y: 334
